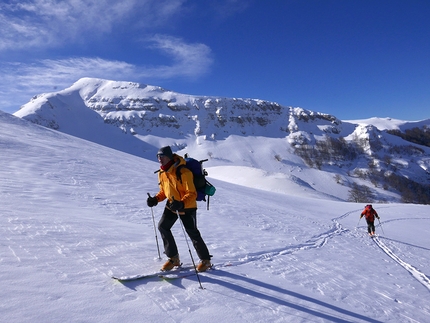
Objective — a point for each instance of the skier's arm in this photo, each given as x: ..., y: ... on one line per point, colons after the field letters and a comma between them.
x: 161, y: 196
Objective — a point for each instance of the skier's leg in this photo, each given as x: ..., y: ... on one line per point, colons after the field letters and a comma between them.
x: 190, y: 224
x: 165, y: 224
x: 369, y: 227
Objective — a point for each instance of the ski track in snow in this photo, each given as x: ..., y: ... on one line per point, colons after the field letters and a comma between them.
x: 89, y: 251
x: 322, y: 239
x: 270, y: 300
x: 423, y: 279
x: 316, y: 241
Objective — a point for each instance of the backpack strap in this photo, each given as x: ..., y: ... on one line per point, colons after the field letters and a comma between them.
x: 178, y: 173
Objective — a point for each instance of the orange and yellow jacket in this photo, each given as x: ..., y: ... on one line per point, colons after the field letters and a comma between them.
x: 181, y: 189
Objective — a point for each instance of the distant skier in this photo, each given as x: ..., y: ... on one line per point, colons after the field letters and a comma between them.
x: 369, y: 213
x: 181, y: 199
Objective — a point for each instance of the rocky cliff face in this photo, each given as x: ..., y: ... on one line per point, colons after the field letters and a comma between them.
x: 121, y: 114
x: 144, y: 109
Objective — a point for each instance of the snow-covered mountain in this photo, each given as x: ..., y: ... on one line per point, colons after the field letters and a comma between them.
x: 301, y: 143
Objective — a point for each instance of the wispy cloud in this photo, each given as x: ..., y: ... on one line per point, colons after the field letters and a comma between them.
x: 51, y: 23
x: 20, y: 81
x: 189, y: 60
x: 59, y: 73
x: 41, y: 25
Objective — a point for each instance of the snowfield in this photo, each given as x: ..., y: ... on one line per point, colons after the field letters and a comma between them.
x: 73, y: 213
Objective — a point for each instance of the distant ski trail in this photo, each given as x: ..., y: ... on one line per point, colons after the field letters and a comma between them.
x: 317, y: 241
x: 321, y: 240
x: 423, y: 279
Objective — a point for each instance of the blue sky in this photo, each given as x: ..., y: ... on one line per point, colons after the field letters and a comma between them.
x: 353, y: 59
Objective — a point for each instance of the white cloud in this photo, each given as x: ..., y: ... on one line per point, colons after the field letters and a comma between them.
x: 190, y: 60
x: 41, y: 25
x: 21, y: 81
x: 61, y: 72
x: 51, y: 23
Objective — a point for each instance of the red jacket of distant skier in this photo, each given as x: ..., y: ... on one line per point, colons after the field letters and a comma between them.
x: 369, y: 213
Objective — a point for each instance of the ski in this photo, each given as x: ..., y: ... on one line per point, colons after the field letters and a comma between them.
x: 179, y: 272
x: 151, y: 275
x: 135, y: 277
x: 169, y: 276
x: 184, y: 274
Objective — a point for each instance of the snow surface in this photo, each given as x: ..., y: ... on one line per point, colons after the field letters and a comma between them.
x: 74, y: 213
x: 390, y: 123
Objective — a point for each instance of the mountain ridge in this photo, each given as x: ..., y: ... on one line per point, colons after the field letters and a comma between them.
x: 137, y: 118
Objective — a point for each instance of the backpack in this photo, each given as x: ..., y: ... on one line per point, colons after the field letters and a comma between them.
x: 203, y: 187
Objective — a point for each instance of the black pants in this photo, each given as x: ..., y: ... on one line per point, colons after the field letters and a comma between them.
x: 189, y: 220
x: 370, y: 226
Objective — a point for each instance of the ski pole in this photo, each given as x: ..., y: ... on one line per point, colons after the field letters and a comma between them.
x: 380, y: 224
x: 155, y: 231
x: 186, y: 240
x: 359, y: 221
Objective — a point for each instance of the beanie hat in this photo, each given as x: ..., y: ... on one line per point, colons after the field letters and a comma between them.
x: 166, y: 151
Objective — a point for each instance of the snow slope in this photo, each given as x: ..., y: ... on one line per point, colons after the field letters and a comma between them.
x: 256, y: 135
x: 390, y: 123
x: 73, y: 213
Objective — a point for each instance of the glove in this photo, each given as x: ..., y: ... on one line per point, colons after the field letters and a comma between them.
x: 378, y: 217
x: 176, y: 205
x: 361, y: 216
x: 151, y: 201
